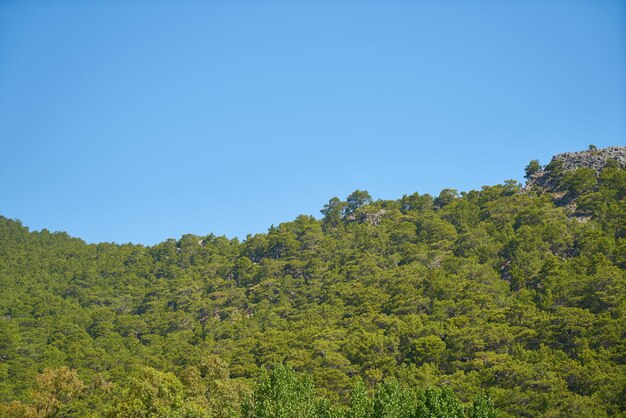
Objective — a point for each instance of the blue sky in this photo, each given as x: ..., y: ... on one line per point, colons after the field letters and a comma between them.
x: 138, y: 121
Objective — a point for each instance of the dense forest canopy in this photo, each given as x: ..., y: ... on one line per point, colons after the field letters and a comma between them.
x: 423, y: 306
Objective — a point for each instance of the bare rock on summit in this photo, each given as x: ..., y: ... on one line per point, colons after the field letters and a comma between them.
x: 592, y: 158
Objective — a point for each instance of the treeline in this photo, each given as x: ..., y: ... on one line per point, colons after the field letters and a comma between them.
x: 520, y: 294
x: 281, y: 393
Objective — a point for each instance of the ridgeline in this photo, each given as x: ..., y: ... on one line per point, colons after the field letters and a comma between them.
x: 504, y: 301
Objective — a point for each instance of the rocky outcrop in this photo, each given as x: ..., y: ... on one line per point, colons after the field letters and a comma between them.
x: 372, y: 216
x: 592, y: 158
x: 546, y: 179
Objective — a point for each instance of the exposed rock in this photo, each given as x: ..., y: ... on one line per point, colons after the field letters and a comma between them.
x: 595, y: 159
x: 372, y: 217
x: 591, y: 158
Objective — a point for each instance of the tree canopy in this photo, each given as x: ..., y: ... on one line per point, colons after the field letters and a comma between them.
x: 501, y: 300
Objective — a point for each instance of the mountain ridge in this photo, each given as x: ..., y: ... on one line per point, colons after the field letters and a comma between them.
x: 491, y: 290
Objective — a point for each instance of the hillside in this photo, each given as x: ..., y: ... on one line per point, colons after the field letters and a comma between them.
x: 515, y: 292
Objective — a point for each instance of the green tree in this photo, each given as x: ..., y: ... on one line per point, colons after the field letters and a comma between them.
x: 532, y: 168
x: 439, y: 402
x: 333, y: 212
x: 282, y: 393
x: 482, y: 407
x: 393, y: 401
x: 579, y: 181
x: 446, y: 197
x: 355, y: 200
x: 360, y: 404
x: 56, y: 390
x: 156, y: 394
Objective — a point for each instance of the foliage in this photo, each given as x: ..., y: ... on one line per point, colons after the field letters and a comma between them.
x: 381, y: 308
x: 532, y: 168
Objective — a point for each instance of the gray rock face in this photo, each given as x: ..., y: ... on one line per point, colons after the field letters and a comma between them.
x: 595, y: 159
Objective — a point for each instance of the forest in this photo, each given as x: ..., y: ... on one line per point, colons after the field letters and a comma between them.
x: 506, y: 301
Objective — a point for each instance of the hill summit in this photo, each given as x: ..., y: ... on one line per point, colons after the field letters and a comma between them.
x: 491, y: 299
x: 594, y: 158
x: 589, y: 162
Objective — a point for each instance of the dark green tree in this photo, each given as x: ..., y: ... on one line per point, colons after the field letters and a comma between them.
x: 355, y: 200
x: 532, y: 168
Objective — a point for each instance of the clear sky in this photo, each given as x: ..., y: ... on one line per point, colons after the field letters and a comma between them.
x: 138, y: 121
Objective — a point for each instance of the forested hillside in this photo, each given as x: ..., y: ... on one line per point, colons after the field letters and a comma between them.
x: 510, y: 294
